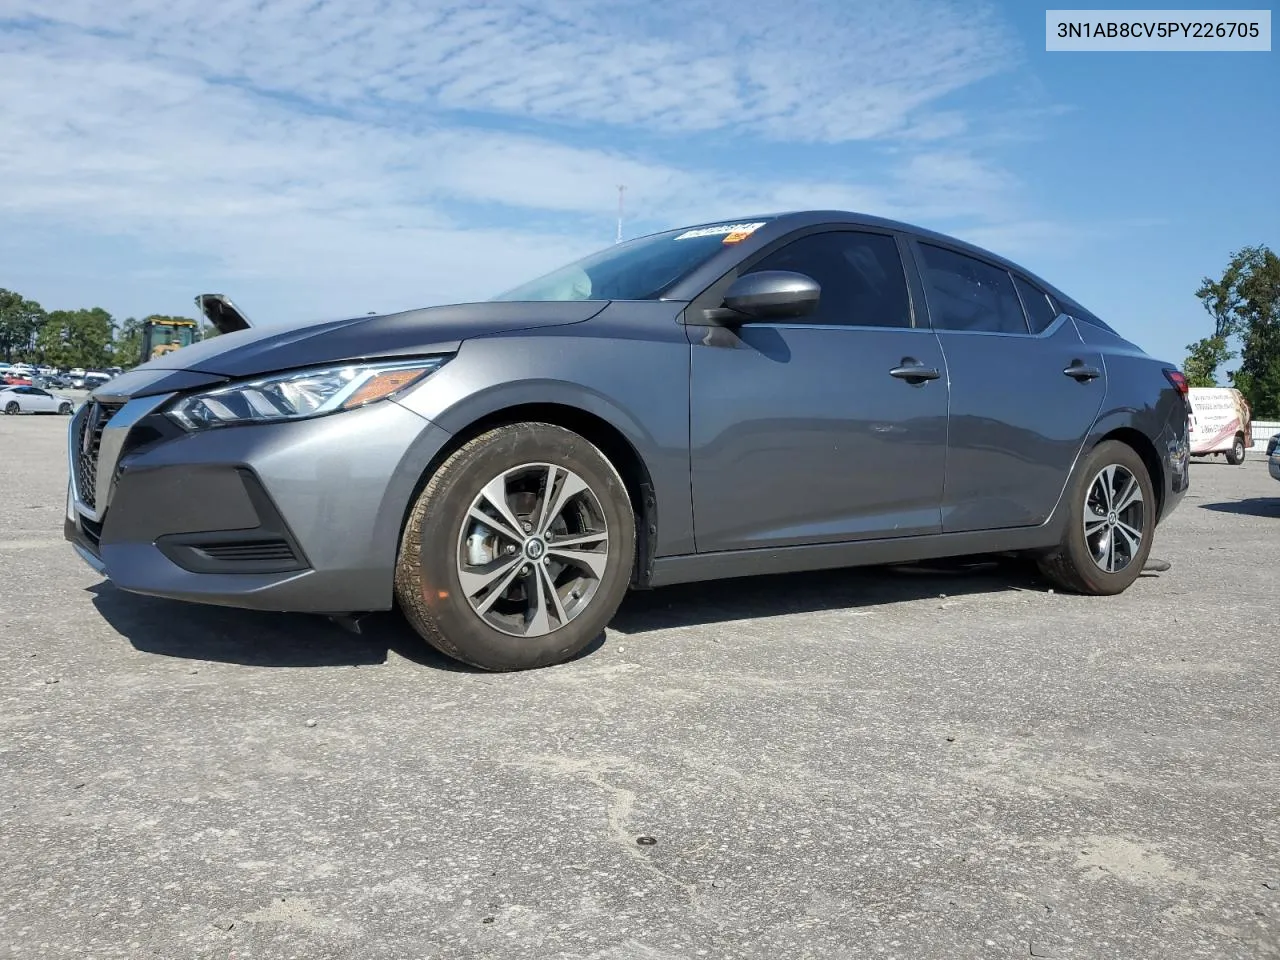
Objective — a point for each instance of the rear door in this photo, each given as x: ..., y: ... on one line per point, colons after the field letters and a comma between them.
x: 1025, y: 390
x: 814, y: 430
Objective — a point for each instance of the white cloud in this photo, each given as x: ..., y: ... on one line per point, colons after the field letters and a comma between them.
x: 802, y: 71
x: 340, y: 150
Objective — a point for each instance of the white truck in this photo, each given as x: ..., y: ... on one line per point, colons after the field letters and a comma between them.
x: 1220, y: 423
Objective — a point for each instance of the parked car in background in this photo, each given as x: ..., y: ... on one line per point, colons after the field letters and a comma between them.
x: 15, y: 400
x: 13, y: 379
x: 1221, y: 423
x: 1273, y: 456
x: 779, y: 394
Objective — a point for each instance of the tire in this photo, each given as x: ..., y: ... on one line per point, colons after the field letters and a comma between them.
x: 1235, y: 456
x: 442, y: 537
x: 1072, y: 563
x: 12, y: 409
x: 65, y: 409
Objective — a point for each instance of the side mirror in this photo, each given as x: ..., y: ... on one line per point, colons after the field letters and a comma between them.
x: 767, y: 295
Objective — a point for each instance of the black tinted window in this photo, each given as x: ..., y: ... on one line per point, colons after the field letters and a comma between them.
x: 1040, y: 311
x: 860, y: 275
x: 968, y: 294
x: 1081, y: 314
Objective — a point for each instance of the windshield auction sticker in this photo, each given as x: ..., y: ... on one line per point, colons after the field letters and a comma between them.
x: 733, y: 232
x: 1121, y: 31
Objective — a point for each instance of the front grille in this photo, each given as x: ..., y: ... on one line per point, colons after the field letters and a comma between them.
x: 88, y: 439
x: 249, y: 551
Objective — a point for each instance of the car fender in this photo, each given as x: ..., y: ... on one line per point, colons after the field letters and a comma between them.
x: 634, y: 396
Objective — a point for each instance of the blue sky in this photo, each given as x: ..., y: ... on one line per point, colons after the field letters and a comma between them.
x: 314, y: 158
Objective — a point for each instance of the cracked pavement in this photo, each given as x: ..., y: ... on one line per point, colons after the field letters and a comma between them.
x: 868, y: 763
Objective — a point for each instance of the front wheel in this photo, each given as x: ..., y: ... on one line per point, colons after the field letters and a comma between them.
x: 1236, y: 455
x: 519, y: 549
x: 1110, y: 524
x: 65, y: 409
x: 12, y: 409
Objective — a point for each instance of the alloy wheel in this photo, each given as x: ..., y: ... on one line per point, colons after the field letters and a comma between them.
x: 1114, y: 518
x: 533, y: 549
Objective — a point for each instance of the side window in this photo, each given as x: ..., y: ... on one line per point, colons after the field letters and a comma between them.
x: 861, y: 276
x: 968, y: 294
x: 38, y: 393
x: 1040, y: 310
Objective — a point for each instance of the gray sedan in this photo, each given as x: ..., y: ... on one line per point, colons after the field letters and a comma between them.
x: 774, y: 393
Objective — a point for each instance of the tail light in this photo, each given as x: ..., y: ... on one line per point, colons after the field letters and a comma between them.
x: 1178, y: 380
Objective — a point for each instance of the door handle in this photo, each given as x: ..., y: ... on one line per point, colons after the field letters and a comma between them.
x: 1081, y: 371
x: 913, y: 371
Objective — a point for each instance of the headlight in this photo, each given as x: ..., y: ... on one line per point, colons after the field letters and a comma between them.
x: 300, y: 394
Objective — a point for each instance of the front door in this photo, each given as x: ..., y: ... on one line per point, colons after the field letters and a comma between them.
x: 819, y: 430
x: 40, y: 401
x: 1025, y: 391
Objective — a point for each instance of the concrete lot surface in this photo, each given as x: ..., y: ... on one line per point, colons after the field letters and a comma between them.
x: 853, y: 764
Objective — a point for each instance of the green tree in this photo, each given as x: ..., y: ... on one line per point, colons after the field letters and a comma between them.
x: 20, y: 318
x: 126, y: 343
x: 1203, y: 359
x: 76, y: 338
x: 1244, y: 304
x: 1221, y: 299
x: 1259, y: 375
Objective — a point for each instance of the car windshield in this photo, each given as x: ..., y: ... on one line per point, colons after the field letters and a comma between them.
x: 639, y: 269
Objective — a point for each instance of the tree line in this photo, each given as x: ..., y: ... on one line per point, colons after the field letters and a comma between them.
x: 90, y: 338
x: 1245, y: 306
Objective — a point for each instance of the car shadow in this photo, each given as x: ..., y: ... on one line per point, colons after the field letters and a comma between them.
x: 252, y: 638
x: 1253, y: 507
x: 191, y: 631
x: 746, y: 598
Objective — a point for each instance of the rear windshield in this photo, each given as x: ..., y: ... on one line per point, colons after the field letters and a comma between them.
x: 640, y: 269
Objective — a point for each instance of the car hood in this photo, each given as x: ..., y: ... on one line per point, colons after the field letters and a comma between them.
x: 266, y: 349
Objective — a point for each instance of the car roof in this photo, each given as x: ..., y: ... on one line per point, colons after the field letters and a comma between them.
x: 782, y: 222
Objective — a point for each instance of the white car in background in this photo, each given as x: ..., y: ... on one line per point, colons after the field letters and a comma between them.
x: 15, y: 400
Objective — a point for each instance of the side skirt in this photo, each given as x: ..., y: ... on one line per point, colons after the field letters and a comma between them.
x: 691, y: 568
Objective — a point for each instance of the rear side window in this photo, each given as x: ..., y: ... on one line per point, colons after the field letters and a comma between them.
x: 860, y: 274
x: 1081, y: 314
x: 968, y: 294
x: 1040, y: 311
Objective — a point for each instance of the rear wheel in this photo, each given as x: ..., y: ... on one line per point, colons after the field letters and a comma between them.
x: 1110, y: 524
x: 519, y: 549
x: 1236, y: 455
x: 12, y: 409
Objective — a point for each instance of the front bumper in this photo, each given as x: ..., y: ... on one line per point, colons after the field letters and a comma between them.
x: 303, y: 516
